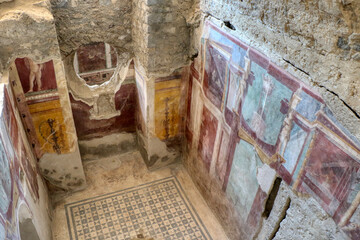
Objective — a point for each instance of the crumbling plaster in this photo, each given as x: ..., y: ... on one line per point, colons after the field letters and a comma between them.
x: 27, y: 29
x: 290, y: 209
x: 100, y: 97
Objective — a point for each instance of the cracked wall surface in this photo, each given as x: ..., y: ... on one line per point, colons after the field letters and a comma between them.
x: 249, y: 121
x: 320, y: 38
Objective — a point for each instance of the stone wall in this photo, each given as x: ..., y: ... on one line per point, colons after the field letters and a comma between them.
x: 82, y: 22
x: 26, y: 26
x: 161, y: 35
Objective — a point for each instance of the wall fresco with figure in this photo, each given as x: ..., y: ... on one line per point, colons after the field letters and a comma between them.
x: 39, y: 104
x: 270, y: 122
x: 19, y: 181
x: 36, y: 77
x: 215, y: 75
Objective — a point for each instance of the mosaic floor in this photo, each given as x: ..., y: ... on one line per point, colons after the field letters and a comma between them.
x: 159, y: 209
x: 123, y: 200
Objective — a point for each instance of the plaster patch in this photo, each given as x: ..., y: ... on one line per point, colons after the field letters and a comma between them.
x: 265, y: 176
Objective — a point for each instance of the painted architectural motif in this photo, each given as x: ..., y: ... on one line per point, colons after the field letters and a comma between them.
x: 268, y: 118
x: 208, y: 130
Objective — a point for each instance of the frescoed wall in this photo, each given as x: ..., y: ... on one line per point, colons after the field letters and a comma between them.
x: 160, y: 125
x: 36, y: 77
x: 41, y: 97
x: 167, y: 106
x: 208, y: 130
x: 249, y: 121
x: 20, y: 183
x: 108, y: 134
x: 49, y: 126
x: 40, y: 106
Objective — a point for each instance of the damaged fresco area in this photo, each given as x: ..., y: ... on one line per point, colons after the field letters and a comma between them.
x: 243, y: 187
x: 162, y: 145
x: 125, y: 101
x: 96, y: 72
x: 103, y: 96
x: 257, y: 122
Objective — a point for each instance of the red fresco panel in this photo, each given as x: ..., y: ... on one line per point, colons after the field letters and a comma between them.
x: 125, y: 100
x: 214, y: 75
x: 207, y: 136
x: 330, y: 174
x: 91, y: 57
x: 234, y: 140
x: 256, y: 210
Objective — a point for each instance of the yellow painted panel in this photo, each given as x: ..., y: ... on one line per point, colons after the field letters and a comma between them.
x: 44, y: 106
x: 167, y: 84
x: 49, y: 126
x: 167, y: 103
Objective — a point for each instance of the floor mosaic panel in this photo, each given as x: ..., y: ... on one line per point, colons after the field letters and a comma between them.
x: 158, y: 209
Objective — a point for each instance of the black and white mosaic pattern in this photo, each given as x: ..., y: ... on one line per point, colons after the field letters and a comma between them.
x: 159, y: 209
